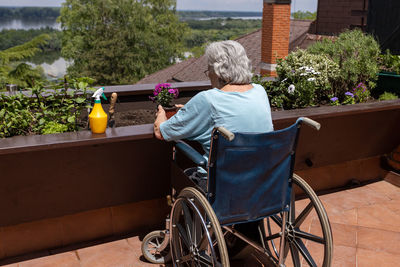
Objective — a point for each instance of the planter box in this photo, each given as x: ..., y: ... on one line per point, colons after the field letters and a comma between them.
x: 387, y: 82
x: 68, y: 188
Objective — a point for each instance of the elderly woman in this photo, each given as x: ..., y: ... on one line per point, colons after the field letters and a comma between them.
x: 234, y: 102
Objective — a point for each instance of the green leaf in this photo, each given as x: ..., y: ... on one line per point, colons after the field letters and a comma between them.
x: 80, y: 100
x: 71, y: 119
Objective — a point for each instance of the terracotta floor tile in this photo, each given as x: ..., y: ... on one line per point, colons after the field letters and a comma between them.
x: 393, y: 205
x: 368, y: 258
x: 369, y: 195
x: 337, y: 215
x: 113, y: 254
x: 344, y: 256
x: 68, y: 259
x: 379, y: 216
x: 386, y: 188
x: 378, y: 240
x: 343, y: 200
x: 344, y: 235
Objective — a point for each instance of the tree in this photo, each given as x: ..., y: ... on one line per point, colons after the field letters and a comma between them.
x: 120, y: 41
x: 11, y: 71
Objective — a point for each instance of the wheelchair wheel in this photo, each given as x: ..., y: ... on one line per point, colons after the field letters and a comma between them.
x: 196, y: 236
x: 152, y: 248
x: 307, y: 230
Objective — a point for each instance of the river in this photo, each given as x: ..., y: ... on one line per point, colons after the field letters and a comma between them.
x: 54, y: 66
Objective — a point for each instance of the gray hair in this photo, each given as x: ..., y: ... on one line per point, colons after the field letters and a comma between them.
x: 229, y: 61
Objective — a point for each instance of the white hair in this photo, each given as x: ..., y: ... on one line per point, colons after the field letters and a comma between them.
x: 229, y: 61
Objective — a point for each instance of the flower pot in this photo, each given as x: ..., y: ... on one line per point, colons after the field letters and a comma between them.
x: 170, y: 111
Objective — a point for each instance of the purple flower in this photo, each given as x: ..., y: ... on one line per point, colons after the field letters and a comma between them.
x: 349, y: 94
x: 333, y: 99
x: 171, y: 91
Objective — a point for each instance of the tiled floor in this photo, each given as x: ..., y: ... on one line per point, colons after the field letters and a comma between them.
x: 365, y: 224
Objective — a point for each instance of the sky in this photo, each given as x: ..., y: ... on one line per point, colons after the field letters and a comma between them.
x: 229, y: 5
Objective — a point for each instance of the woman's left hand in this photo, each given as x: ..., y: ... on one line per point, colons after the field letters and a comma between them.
x: 160, y: 118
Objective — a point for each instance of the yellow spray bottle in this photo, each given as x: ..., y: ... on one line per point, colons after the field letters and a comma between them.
x: 98, y: 118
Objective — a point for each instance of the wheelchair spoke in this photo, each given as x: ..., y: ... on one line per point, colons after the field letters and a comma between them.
x: 304, y: 252
x: 274, y: 236
x: 188, y: 222
x: 182, y: 233
x: 203, y: 244
x: 185, y: 258
x: 277, y: 220
x: 303, y: 215
x: 295, y: 255
x: 309, y: 236
x: 204, y: 259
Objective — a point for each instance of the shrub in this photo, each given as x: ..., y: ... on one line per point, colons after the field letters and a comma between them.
x: 389, y: 62
x: 356, y: 54
x: 47, y: 111
x: 304, y: 80
x: 387, y: 96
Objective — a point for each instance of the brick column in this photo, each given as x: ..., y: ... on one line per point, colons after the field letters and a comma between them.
x: 275, y: 34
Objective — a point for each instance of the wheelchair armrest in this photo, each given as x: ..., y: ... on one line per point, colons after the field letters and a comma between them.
x: 310, y: 122
x: 191, y: 153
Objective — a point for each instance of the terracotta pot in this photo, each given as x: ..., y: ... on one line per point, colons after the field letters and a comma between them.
x: 170, y: 111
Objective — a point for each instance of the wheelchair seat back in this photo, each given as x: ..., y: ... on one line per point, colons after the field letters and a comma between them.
x: 249, y: 177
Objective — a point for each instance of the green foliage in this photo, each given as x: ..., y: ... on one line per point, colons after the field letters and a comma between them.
x: 207, y: 31
x: 387, y: 96
x: 357, y: 55
x: 15, y: 116
x: 120, y: 41
x: 46, y: 111
x: 29, y: 12
x: 21, y: 73
x: 54, y: 127
x: 389, y: 62
x: 304, y: 80
x: 10, y: 38
x: 189, y: 15
x: 306, y: 15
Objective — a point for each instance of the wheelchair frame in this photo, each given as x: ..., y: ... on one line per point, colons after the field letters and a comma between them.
x: 192, y: 207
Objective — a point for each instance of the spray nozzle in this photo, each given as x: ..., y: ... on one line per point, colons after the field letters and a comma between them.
x: 99, y: 93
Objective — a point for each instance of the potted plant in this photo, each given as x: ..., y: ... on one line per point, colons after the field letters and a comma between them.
x: 163, y: 95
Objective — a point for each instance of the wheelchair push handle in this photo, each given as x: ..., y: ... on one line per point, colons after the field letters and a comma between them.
x: 313, y: 124
x: 228, y: 135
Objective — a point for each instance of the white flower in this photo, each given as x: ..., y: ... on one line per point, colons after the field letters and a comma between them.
x: 311, y: 79
x: 291, y: 89
x: 284, y: 80
x: 303, y: 74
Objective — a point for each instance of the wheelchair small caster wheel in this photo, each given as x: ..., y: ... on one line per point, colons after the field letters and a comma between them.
x: 152, y: 248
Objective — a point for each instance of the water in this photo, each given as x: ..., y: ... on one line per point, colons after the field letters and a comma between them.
x: 53, y: 64
x: 19, y: 24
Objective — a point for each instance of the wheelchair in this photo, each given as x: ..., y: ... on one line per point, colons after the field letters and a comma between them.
x: 250, y: 189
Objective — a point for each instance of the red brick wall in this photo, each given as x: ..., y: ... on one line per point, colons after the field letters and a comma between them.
x: 275, y: 34
x: 334, y: 16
